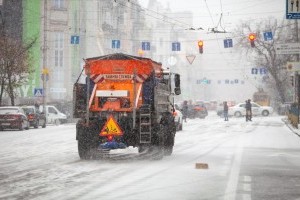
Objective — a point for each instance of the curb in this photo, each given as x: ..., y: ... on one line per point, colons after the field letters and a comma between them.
x: 296, y: 131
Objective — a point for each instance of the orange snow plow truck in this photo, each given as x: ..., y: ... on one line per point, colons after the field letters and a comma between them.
x: 125, y: 101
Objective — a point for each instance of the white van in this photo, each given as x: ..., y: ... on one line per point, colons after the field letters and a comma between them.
x: 53, y: 115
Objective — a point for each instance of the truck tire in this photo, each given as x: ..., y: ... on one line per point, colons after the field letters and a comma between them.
x: 84, y: 150
x: 168, y: 147
x: 168, y: 150
x: 87, y: 144
x: 142, y: 148
x: 157, y: 148
x: 83, y: 143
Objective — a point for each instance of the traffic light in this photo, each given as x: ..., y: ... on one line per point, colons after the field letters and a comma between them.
x: 292, y: 81
x: 252, y: 38
x: 200, y: 45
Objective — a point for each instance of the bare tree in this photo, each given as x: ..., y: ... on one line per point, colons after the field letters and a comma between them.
x: 263, y: 53
x: 15, y: 67
x: 14, y: 53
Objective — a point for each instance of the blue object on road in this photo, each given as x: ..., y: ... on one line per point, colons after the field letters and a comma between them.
x: 112, y: 145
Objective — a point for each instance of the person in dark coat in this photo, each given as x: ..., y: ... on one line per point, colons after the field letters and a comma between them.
x: 185, y: 110
x: 225, y: 111
x: 248, y: 110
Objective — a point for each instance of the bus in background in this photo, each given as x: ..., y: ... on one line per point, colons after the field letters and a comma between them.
x: 261, y: 97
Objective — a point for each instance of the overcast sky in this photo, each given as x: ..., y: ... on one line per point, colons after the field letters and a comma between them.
x: 207, y: 13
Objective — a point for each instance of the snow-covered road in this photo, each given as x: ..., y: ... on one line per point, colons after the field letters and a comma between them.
x: 44, y: 163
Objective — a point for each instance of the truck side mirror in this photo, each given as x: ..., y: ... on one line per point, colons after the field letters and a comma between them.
x: 177, y: 91
x: 177, y: 80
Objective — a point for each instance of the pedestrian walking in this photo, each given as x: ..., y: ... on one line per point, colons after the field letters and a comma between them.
x: 248, y: 110
x: 184, y: 110
x: 225, y: 111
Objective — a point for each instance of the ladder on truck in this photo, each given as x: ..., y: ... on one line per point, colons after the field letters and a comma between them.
x: 145, y: 124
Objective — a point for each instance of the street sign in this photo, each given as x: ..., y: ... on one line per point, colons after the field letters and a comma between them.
x: 38, y: 92
x: 172, y: 60
x: 58, y: 90
x: 263, y: 70
x: 287, y: 48
x: 175, y: 46
x: 115, y: 44
x: 268, y: 36
x: 227, y: 43
x: 146, y: 46
x: 292, y: 9
x: 191, y: 58
x: 74, y: 39
x: 111, y: 127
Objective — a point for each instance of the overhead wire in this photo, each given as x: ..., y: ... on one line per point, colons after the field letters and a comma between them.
x: 164, y: 16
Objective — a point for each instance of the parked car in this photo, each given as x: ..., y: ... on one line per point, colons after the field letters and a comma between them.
x: 35, y: 117
x: 178, y: 119
x: 197, y: 111
x: 13, y: 117
x: 220, y: 109
x: 240, y: 110
x: 53, y: 115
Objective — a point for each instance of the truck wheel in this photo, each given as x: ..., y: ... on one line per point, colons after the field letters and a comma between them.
x: 87, y: 141
x: 168, y: 151
x: 157, y: 152
x: 168, y: 147
x: 157, y: 149
x: 143, y: 148
x: 84, y: 150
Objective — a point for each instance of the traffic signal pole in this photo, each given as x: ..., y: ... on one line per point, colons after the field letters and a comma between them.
x: 297, y: 90
x: 44, y: 57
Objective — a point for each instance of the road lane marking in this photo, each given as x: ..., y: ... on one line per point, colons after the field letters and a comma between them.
x: 230, y: 192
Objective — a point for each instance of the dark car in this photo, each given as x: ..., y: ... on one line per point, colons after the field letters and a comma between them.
x: 197, y: 111
x: 35, y: 117
x: 13, y: 117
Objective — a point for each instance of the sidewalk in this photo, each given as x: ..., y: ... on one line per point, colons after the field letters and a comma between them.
x: 292, y: 128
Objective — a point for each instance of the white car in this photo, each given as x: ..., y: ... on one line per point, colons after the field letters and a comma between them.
x: 240, y: 110
x: 178, y: 119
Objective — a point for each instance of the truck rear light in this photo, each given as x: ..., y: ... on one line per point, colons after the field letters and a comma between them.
x: 110, y: 138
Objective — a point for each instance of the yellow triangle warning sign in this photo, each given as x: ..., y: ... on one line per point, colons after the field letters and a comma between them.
x: 111, y: 127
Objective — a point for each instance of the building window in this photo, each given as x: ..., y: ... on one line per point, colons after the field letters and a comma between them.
x: 59, y: 4
x: 59, y: 49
